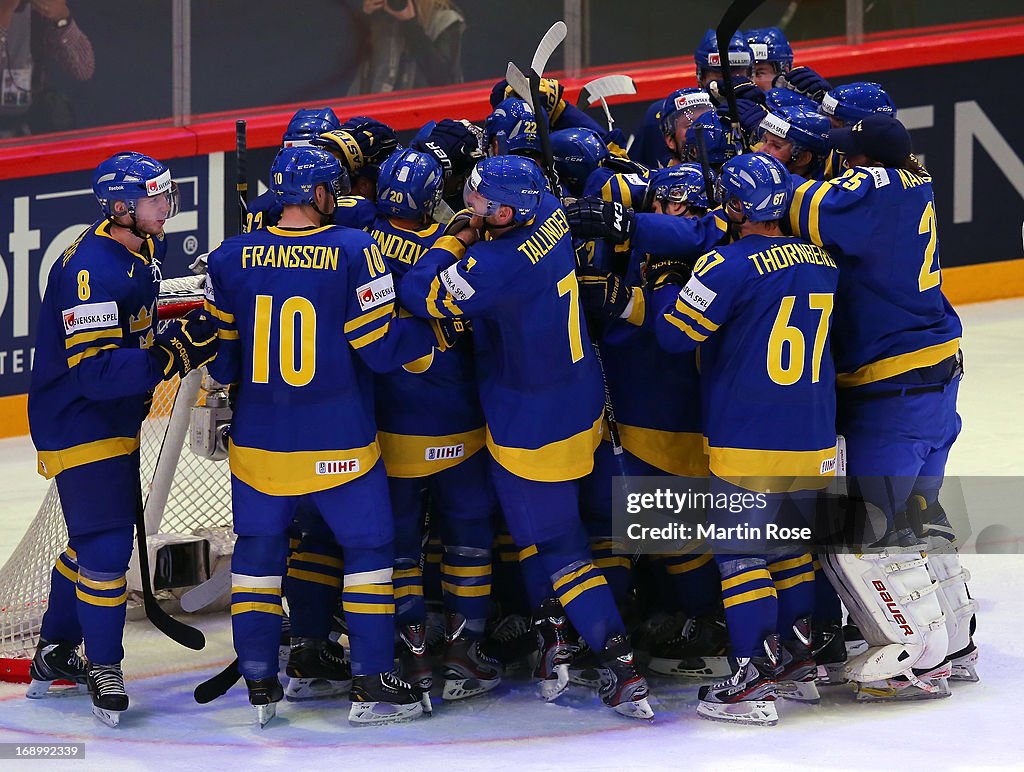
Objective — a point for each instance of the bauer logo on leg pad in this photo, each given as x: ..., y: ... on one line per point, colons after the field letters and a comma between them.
x: 892, y: 607
x: 345, y: 466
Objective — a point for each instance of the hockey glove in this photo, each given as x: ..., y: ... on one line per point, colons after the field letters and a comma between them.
x: 551, y: 92
x: 593, y: 218
x: 448, y: 331
x: 621, y: 164
x: 184, y: 344
x: 661, y: 270
x: 460, y: 221
x: 361, y: 142
x: 603, y: 294
x: 457, y: 146
x: 750, y: 115
x: 743, y: 88
x: 803, y: 80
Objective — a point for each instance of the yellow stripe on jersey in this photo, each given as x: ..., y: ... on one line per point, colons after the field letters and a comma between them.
x: 638, y: 312
x: 746, y: 576
x: 678, y: 453
x: 792, y: 581
x: 702, y: 320
x: 567, y: 459
x: 223, y: 316
x: 282, y: 473
x: 86, y: 337
x: 746, y: 597
x: 369, y: 316
x: 569, y: 596
x: 89, y: 352
x: 774, y: 471
x: 316, y: 557
x: 681, y: 325
x: 813, y: 231
x: 279, y: 231
x: 785, y: 565
x: 467, y: 591
x: 406, y: 455
x: 370, y: 337
x: 466, y: 571
x: 420, y: 365
x: 572, y: 576
x: 227, y: 334
x: 796, y: 205
x: 257, y: 590
x: 94, y: 600
x: 367, y: 608
x: 432, y: 307
x: 93, y: 584
x: 265, y: 608
x: 899, y: 364
x: 53, y: 462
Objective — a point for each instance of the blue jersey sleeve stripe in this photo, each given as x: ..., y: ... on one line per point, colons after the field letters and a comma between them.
x: 88, y: 337
x: 370, y: 337
x: 89, y: 352
x: 681, y: 325
x: 432, y: 299
x: 370, y: 316
x: 813, y: 229
x: 223, y: 316
x: 684, y: 308
x: 795, y: 207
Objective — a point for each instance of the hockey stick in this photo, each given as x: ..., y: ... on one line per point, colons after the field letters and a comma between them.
x: 705, y: 166
x: 177, y: 631
x: 218, y: 686
x: 241, y: 178
x: 733, y: 17
x: 202, y: 595
x: 600, y: 89
x: 552, y: 39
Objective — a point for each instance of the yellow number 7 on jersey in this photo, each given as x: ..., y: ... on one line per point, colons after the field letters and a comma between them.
x: 567, y: 285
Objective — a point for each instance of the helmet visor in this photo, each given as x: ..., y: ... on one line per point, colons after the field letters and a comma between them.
x: 477, y: 201
x: 161, y: 206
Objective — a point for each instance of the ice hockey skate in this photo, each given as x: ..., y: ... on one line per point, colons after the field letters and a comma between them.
x: 931, y: 684
x: 56, y: 661
x: 748, y: 696
x: 109, y: 699
x: 468, y: 669
x: 963, y: 664
x: 798, y: 670
x: 264, y: 694
x: 622, y: 688
x: 414, y: 660
x: 829, y: 651
x: 690, y: 647
x: 556, y: 639
x: 383, y: 698
x: 316, y: 669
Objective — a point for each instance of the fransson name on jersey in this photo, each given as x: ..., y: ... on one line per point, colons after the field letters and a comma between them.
x: 428, y: 412
x: 92, y: 373
x: 299, y: 334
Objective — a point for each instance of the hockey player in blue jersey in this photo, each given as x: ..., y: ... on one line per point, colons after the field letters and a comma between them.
x: 431, y: 430
x: 98, y: 357
x: 799, y: 138
x: 760, y: 309
x: 897, y: 343
x: 773, y: 55
x: 577, y: 153
x: 511, y: 128
x: 510, y: 267
x: 305, y: 311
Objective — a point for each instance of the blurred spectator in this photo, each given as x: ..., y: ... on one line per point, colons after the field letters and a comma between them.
x: 35, y: 34
x: 413, y: 44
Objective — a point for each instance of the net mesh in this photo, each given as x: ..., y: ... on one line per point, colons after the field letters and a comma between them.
x: 198, y: 502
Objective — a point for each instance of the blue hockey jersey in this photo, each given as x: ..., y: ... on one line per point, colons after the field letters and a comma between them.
x: 428, y: 412
x: 891, y: 315
x: 540, y: 386
x: 761, y: 309
x: 304, y: 315
x: 352, y: 211
x: 92, y: 373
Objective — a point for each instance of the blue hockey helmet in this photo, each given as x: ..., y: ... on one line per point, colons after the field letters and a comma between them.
x: 297, y: 171
x: 628, y: 189
x: 409, y: 185
x: 514, y: 126
x: 854, y: 101
x: 707, y: 56
x: 806, y: 129
x: 509, y: 180
x: 786, y: 97
x: 756, y: 186
x: 131, y: 177
x: 307, y: 125
x: 690, y: 102
x: 577, y: 152
x: 769, y: 44
x: 680, y: 183
x: 716, y: 140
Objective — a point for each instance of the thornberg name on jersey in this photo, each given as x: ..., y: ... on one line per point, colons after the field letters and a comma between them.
x: 319, y: 258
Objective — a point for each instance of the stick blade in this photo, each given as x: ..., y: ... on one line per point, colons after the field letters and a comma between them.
x: 552, y: 39
x: 520, y: 84
x: 217, y: 686
x: 605, y: 87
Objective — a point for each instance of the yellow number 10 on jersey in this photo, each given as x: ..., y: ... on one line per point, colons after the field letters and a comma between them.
x: 297, y: 323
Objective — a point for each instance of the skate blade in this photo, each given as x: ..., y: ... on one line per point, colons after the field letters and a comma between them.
x: 302, y: 689
x: 463, y: 688
x: 590, y: 677
x: 428, y: 708
x: 380, y: 713
x: 553, y: 688
x: 640, y: 709
x: 697, y: 667
x: 832, y: 674
x: 38, y: 690
x: 754, y: 713
x: 963, y: 668
x: 264, y: 713
x: 109, y: 717
x: 802, y: 691
x: 910, y: 693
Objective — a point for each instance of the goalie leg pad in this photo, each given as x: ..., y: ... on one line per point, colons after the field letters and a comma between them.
x: 957, y: 605
x: 892, y: 599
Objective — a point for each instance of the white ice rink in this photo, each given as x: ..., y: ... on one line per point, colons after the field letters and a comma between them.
x: 975, y: 728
